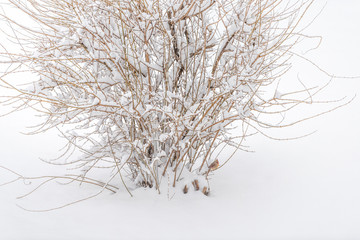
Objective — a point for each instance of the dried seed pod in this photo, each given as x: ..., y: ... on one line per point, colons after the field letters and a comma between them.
x: 186, y: 189
x: 214, y: 165
x: 149, y: 151
x: 195, y: 183
x: 205, y: 191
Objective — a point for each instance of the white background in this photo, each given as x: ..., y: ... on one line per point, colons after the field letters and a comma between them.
x: 302, y: 189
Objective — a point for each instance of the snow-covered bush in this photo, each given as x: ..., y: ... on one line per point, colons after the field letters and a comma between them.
x: 150, y: 89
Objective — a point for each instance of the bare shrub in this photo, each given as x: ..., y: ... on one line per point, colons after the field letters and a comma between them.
x: 150, y: 89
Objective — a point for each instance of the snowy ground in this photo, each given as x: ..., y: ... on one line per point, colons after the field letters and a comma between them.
x: 302, y: 189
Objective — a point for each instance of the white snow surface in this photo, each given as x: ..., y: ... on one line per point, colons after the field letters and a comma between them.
x: 302, y: 189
